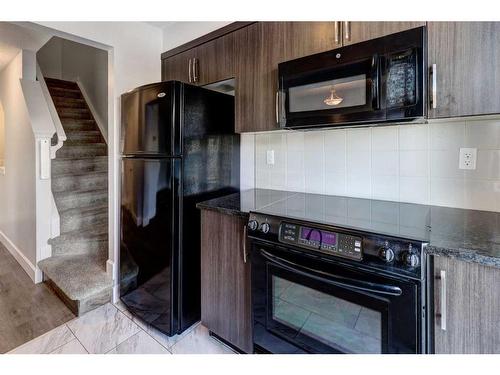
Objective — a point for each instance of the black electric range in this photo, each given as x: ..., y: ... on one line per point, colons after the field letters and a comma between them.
x: 338, y: 275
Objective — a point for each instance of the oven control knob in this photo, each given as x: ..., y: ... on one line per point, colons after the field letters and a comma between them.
x: 253, y: 225
x: 386, y: 254
x: 264, y: 228
x: 410, y: 259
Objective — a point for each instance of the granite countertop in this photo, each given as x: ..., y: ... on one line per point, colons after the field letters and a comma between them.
x: 468, y: 235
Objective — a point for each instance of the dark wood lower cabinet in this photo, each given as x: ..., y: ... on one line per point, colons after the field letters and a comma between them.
x: 225, y: 279
x: 467, y: 320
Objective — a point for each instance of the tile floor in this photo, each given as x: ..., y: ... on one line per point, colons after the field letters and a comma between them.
x: 19, y: 321
x: 112, y: 329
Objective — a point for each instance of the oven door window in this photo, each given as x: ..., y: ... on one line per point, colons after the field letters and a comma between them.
x: 325, y: 319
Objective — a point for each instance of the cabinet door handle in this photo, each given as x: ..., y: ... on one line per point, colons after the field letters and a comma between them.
x: 195, y: 70
x: 442, y: 313
x: 244, y: 245
x: 190, y: 71
x: 277, y: 107
x: 433, y: 86
x: 337, y: 32
x: 347, y: 30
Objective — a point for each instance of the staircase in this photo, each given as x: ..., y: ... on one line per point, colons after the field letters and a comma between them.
x: 77, y: 268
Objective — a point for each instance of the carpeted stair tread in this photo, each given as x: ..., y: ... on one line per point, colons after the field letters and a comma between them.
x: 87, y: 181
x: 79, y: 165
x: 78, y: 174
x: 59, y: 82
x: 79, y: 276
x: 84, y: 211
x: 66, y: 194
x: 81, y: 198
x: 81, y: 151
x: 98, y: 233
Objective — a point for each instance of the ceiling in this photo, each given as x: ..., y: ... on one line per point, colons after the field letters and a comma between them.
x: 162, y: 24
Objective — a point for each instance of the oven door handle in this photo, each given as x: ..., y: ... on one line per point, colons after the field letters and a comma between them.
x: 335, y: 280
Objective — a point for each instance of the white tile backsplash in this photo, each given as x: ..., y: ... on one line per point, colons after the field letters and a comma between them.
x: 407, y: 163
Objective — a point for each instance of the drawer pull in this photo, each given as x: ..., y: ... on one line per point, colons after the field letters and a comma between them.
x: 442, y: 312
x: 244, y: 244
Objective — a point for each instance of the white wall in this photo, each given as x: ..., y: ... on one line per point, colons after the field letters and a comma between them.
x: 2, y: 135
x: 408, y: 163
x: 70, y: 61
x: 17, y: 186
x: 178, y: 33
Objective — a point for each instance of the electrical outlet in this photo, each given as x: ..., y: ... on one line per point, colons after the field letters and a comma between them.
x: 468, y: 158
x: 270, y: 157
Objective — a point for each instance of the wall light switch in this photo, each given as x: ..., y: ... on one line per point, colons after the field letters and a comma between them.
x: 468, y: 158
x: 270, y: 157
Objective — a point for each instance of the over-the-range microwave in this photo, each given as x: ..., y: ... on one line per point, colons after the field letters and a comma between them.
x: 378, y: 81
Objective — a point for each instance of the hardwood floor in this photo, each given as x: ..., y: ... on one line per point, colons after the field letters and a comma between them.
x: 27, y: 310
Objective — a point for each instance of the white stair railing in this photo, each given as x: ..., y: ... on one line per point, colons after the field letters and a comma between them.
x: 61, y: 134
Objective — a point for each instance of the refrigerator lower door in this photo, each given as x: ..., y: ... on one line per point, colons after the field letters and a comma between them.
x: 149, y: 240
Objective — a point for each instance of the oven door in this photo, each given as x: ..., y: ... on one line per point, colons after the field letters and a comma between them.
x: 304, y: 305
x: 337, y: 91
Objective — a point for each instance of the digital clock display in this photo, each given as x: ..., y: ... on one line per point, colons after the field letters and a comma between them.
x: 325, y: 238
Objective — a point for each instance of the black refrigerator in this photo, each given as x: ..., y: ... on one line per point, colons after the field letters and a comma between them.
x: 178, y: 148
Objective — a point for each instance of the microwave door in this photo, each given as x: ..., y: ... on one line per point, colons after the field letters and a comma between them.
x: 341, y: 94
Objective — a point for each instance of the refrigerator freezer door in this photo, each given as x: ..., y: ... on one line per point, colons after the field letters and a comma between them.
x: 150, y: 124
x: 149, y: 240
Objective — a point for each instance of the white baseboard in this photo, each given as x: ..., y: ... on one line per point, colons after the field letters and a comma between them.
x: 110, y: 268
x: 33, y: 272
x: 116, y: 293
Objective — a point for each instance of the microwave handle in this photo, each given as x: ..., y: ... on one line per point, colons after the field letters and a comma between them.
x: 433, y: 95
x: 376, y: 77
x: 334, y: 280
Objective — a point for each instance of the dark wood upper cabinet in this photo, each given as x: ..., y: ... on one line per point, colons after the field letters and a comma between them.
x: 177, y: 67
x: 307, y: 38
x: 355, y: 32
x: 225, y: 279
x: 260, y: 49
x: 467, y: 69
x: 467, y: 319
x: 465, y: 56
x: 214, y: 60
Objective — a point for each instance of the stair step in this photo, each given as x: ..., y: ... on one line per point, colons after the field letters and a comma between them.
x: 87, y: 150
x: 78, y: 124
x: 61, y: 166
x: 87, y: 218
x: 94, y: 242
x: 74, y: 113
x: 84, y: 136
x: 69, y: 103
x: 93, y: 140
x: 54, y: 82
x: 58, y: 92
x: 81, y: 280
x: 88, y: 181
x: 81, y: 198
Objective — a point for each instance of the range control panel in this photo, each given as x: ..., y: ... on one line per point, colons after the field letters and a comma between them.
x: 392, y: 254
x: 333, y: 243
